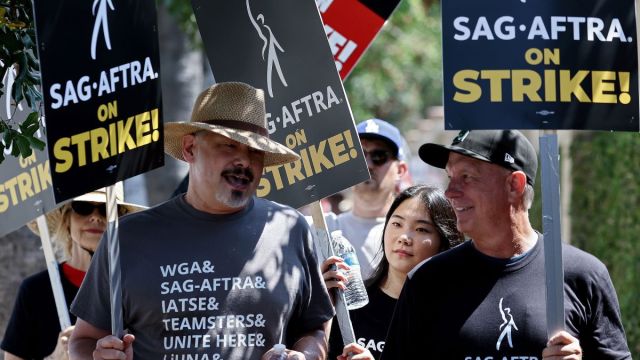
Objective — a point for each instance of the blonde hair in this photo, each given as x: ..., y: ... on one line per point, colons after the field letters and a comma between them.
x: 61, y: 236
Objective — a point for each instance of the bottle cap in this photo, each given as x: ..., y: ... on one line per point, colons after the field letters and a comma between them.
x: 336, y: 233
x: 279, y: 348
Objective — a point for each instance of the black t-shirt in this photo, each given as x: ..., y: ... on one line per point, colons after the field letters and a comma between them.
x: 464, y: 305
x: 32, y: 332
x: 370, y: 324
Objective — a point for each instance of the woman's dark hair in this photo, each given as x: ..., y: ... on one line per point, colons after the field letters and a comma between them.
x: 442, y: 214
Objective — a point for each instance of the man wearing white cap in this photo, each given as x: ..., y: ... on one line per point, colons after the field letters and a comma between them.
x: 217, y: 273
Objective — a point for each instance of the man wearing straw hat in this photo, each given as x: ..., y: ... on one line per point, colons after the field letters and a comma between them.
x: 216, y: 273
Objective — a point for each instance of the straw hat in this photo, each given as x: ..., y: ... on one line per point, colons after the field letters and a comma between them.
x: 54, y: 217
x: 234, y: 110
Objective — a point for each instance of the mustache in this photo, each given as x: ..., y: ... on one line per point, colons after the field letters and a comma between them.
x: 239, y: 171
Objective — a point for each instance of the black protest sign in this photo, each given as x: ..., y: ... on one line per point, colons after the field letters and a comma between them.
x: 280, y: 46
x: 25, y: 184
x: 100, y: 64
x: 568, y: 64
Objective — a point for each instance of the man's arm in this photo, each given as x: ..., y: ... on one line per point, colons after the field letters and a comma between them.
x: 313, y: 344
x: 90, y: 342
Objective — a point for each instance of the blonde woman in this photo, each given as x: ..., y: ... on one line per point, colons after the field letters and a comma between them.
x: 76, y: 227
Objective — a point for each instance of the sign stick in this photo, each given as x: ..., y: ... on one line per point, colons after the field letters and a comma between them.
x: 54, y: 273
x: 322, y: 242
x: 117, y: 327
x: 549, y: 157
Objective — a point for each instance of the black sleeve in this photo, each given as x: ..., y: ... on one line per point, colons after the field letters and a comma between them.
x: 606, y: 338
x: 16, y: 337
x: 399, y: 343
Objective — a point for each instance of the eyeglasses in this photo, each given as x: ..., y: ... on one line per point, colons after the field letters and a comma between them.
x: 86, y: 208
x: 378, y: 156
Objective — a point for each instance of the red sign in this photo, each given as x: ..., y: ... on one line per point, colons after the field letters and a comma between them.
x: 350, y: 27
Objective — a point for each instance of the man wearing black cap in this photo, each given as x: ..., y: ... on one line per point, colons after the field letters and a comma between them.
x: 485, y: 299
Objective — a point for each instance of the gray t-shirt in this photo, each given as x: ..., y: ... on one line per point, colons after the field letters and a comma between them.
x: 203, y: 286
x: 364, y: 234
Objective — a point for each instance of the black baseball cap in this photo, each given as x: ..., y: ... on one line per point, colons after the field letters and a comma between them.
x: 507, y: 148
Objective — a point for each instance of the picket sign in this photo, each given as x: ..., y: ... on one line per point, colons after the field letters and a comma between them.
x: 554, y: 273
x: 115, y: 287
x: 321, y: 235
x: 54, y: 273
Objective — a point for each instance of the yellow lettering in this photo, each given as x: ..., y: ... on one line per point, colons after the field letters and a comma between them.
x: 304, y: 155
x: 44, y: 174
x: 79, y: 140
x: 264, y: 187
x: 24, y: 185
x: 495, y: 78
x: 275, y: 172
x: 338, y: 150
x: 571, y: 86
x: 60, y: 152
x: 4, y: 200
x: 526, y: 82
x: 143, y: 128
x: 603, y: 87
x: 113, y: 140
x: 34, y: 177
x: 318, y: 158
x: 28, y: 161
x: 11, y: 184
x: 293, y: 170
x: 99, y: 142
x: 471, y: 90
x: 124, y: 135
x: 550, y: 85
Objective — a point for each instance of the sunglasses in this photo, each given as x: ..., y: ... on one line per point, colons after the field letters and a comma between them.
x: 86, y: 208
x: 378, y: 156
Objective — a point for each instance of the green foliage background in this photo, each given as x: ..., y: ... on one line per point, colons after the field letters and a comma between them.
x: 18, y: 48
x: 605, y: 214
x: 400, y: 75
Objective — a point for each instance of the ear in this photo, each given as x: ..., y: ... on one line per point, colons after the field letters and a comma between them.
x: 402, y: 169
x: 516, y: 181
x: 188, y: 144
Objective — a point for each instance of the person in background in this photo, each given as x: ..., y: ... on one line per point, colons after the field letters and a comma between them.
x: 33, y: 331
x: 383, y: 147
x: 419, y: 224
x: 486, y: 297
x: 215, y: 273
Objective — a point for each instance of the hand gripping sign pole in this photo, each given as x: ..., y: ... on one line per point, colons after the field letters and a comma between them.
x: 321, y: 234
x: 117, y: 327
x: 549, y: 158
x: 54, y: 274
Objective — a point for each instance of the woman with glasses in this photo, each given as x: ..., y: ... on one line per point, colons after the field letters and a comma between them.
x: 419, y: 224
x: 76, y: 228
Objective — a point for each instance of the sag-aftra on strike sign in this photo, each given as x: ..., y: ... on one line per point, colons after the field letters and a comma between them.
x: 101, y: 87
x: 540, y: 65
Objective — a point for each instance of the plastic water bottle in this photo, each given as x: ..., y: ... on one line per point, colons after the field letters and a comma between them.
x: 356, y: 293
x: 278, y: 352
